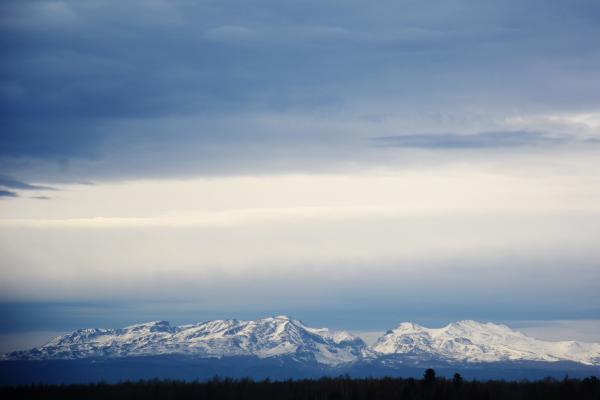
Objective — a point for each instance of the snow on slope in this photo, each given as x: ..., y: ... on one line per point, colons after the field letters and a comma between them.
x: 464, y: 341
x: 263, y: 338
x: 471, y: 341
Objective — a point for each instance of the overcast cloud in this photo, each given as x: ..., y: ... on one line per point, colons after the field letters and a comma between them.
x: 100, y: 90
x: 354, y: 164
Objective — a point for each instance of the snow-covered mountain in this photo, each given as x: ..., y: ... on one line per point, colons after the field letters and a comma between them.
x: 475, y: 342
x: 263, y: 338
x: 459, y: 343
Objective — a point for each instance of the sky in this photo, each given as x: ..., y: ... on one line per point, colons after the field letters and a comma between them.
x: 352, y: 165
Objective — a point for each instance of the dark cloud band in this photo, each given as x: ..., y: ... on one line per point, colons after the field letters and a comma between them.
x: 110, y: 84
x: 482, y: 140
x: 13, y: 183
x: 7, y: 193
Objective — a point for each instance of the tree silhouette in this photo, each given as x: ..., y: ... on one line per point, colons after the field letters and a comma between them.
x: 429, y: 375
x: 457, y: 379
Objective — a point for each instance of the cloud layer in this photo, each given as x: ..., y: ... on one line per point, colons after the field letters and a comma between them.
x: 481, y: 140
x: 442, y: 244
x: 401, y: 160
x: 103, y: 91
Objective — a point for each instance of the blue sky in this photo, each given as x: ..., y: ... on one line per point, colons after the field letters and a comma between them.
x: 353, y: 165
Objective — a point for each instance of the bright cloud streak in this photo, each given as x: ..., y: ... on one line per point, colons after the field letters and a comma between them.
x: 409, y: 229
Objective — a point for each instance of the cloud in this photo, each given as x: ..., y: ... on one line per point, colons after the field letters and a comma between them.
x: 376, y: 241
x: 482, y: 140
x: 284, y: 99
x: 380, y: 265
x: 7, y: 193
x: 219, y: 89
x: 13, y: 183
x: 581, y: 330
x: 230, y: 33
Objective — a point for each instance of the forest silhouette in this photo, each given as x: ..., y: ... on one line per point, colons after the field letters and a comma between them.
x: 340, y: 388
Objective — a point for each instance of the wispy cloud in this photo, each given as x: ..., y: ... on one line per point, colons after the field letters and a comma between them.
x: 7, y: 193
x: 13, y: 183
x: 481, y: 140
x: 41, y: 197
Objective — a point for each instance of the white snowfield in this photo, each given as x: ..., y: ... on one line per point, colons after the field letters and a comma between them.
x: 262, y: 338
x: 472, y: 341
x: 464, y: 341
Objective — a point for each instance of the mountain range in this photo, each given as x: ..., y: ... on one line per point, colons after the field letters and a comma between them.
x: 282, y: 347
x: 263, y: 338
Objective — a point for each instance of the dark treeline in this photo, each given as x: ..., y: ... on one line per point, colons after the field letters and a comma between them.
x: 339, y: 388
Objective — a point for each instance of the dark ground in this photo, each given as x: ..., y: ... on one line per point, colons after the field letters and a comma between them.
x: 325, y: 388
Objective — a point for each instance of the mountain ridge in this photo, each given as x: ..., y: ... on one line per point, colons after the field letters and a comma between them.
x: 263, y: 338
x: 472, y: 341
x: 461, y: 342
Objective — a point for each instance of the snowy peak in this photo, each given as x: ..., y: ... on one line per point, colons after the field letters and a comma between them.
x: 470, y: 326
x: 281, y: 336
x: 409, y: 327
x: 472, y: 341
x: 263, y: 338
x: 273, y: 336
x: 154, y: 326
